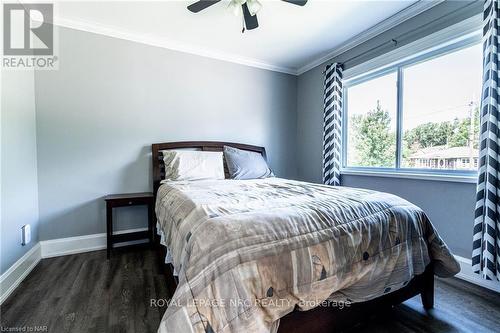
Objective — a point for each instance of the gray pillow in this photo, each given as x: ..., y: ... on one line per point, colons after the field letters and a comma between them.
x: 243, y: 164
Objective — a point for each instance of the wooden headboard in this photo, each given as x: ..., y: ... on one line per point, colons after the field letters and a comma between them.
x: 157, y: 148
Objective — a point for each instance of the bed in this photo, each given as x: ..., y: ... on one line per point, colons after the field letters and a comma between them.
x: 279, y: 255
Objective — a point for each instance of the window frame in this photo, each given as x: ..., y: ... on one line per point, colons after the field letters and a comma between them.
x: 398, y: 68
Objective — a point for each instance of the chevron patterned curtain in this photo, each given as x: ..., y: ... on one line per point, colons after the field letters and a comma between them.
x: 486, y: 242
x: 332, y: 124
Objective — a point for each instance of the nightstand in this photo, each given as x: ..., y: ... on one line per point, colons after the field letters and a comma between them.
x: 125, y: 200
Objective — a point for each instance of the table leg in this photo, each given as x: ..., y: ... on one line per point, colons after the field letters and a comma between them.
x: 109, y: 229
x: 150, y: 225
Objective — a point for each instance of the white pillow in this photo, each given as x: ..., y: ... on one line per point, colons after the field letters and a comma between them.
x: 193, y: 165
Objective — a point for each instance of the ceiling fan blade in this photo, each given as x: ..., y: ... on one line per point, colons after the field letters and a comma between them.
x: 201, y: 4
x: 296, y: 2
x: 250, y: 21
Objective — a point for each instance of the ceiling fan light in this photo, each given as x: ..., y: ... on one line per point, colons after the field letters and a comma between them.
x: 235, y: 7
x: 253, y: 6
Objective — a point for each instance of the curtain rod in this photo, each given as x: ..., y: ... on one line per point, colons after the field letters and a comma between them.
x: 394, y: 41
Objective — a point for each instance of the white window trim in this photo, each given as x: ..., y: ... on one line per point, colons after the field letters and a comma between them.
x: 395, y: 173
x: 469, y: 28
x: 455, y: 37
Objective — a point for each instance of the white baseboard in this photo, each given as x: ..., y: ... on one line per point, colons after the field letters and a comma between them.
x: 54, y: 248
x: 72, y: 245
x: 11, y: 278
x: 467, y: 274
x: 79, y: 244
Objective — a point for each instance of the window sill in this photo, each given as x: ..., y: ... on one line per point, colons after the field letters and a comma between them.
x: 412, y: 175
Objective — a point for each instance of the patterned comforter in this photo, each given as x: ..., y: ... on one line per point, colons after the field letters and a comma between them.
x: 248, y: 252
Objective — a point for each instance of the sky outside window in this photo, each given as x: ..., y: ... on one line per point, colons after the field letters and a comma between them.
x: 441, y: 99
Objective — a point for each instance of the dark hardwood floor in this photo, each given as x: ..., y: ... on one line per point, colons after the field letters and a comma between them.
x: 87, y: 293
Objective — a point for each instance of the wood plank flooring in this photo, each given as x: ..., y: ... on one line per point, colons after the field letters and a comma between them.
x: 87, y: 293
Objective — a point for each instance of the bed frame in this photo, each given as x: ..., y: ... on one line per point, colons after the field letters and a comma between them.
x: 321, y: 319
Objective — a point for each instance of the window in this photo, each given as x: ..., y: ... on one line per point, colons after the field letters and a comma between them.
x: 417, y: 115
x: 371, y: 136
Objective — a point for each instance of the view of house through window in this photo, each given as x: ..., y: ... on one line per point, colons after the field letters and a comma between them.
x: 440, y: 115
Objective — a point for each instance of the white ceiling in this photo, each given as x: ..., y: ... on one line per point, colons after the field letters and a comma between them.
x: 289, y: 37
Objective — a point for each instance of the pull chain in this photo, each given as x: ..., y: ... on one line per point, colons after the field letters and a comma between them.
x: 242, y: 21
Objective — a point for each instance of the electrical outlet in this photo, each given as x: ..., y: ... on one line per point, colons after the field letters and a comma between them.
x: 26, y: 234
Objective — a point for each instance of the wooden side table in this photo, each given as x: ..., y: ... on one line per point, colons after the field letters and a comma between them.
x: 125, y: 200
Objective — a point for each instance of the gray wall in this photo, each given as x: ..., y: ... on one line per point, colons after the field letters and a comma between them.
x: 449, y: 205
x: 111, y: 99
x: 18, y: 165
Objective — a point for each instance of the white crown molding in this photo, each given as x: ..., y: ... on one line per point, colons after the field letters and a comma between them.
x: 12, y: 277
x: 398, y: 18
x: 146, y: 39
x: 168, y: 44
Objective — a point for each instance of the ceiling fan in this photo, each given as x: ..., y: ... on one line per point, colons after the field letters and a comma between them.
x: 248, y: 8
